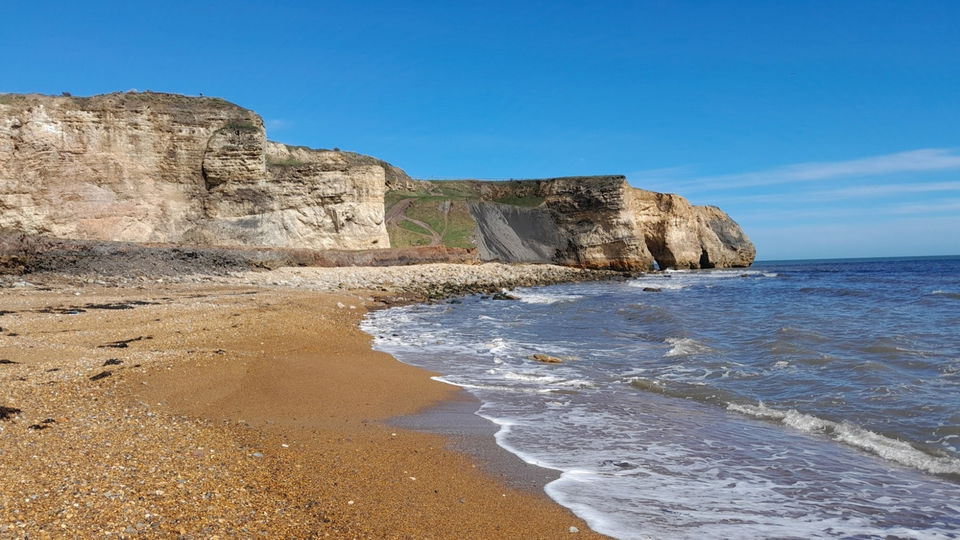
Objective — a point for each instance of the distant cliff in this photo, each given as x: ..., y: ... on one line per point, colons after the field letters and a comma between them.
x: 596, y: 222
x: 165, y: 168
x: 149, y: 167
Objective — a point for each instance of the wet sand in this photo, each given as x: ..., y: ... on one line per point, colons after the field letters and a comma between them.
x: 239, y: 411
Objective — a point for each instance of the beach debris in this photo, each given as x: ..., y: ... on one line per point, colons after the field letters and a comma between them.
x: 574, y: 530
x: 123, y: 343
x: 60, y: 310
x: 39, y: 427
x: 349, y: 502
x: 113, y: 362
x: 7, y: 412
x: 257, y: 454
x: 341, y: 305
x: 5, y: 361
x: 101, y: 375
x: 545, y: 358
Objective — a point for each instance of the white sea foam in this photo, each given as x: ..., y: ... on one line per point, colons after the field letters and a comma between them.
x: 541, y: 379
x: 891, y: 449
x: 685, y: 347
x: 530, y: 297
x: 663, y: 283
x: 673, y: 280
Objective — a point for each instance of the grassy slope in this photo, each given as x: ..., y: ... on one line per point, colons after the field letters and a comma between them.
x: 444, y: 206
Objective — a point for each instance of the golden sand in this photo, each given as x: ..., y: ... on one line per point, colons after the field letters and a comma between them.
x: 229, y: 412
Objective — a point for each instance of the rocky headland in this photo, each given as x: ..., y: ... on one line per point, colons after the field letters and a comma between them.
x: 155, y: 168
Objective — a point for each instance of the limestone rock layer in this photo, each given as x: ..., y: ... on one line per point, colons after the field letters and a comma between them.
x: 603, y: 222
x: 148, y: 167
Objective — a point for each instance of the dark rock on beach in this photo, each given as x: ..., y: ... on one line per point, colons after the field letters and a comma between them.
x: 101, y: 375
x: 7, y: 412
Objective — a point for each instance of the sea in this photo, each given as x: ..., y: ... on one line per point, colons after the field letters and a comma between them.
x: 792, y: 399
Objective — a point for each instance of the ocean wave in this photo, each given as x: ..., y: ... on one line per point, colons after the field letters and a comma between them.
x: 540, y: 379
x: 663, y: 283
x: 888, y: 448
x: 685, y: 347
x: 682, y: 279
x: 544, y: 298
x: 514, y: 389
x: 947, y: 294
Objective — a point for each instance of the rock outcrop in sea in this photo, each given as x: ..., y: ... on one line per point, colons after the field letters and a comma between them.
x: 197, y: 171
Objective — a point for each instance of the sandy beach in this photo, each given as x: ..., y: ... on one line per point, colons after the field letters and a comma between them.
x: 230, y: 409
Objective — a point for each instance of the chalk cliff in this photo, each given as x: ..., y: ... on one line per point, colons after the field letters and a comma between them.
x: 149, y: 167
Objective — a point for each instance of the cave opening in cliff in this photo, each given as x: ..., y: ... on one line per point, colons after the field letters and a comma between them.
x: 705, y: 260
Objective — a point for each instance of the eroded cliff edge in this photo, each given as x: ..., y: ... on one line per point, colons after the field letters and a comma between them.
x: 165, y: 168
x: 150, y: 167
x: 594, y: 222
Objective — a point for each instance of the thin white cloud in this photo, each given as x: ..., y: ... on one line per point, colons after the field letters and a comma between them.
x: 278, y: 124
x: 927, y: 159
x: 839, y: 213
x: 856, y: 192
x: 951, y: 205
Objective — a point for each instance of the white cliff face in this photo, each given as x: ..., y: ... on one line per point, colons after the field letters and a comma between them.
x: 167, y: 168
x: 681, y: 235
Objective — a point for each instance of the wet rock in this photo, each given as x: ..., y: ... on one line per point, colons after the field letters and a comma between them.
x: 652, y: 289
x: 545, y: 358
x: 504, y: 296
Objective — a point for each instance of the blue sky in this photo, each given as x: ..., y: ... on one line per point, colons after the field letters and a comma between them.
x: 826, y: 128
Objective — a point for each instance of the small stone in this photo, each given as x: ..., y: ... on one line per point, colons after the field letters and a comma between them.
x: 101, y: 375
x: 257, y: 454
x: 574, y: 530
